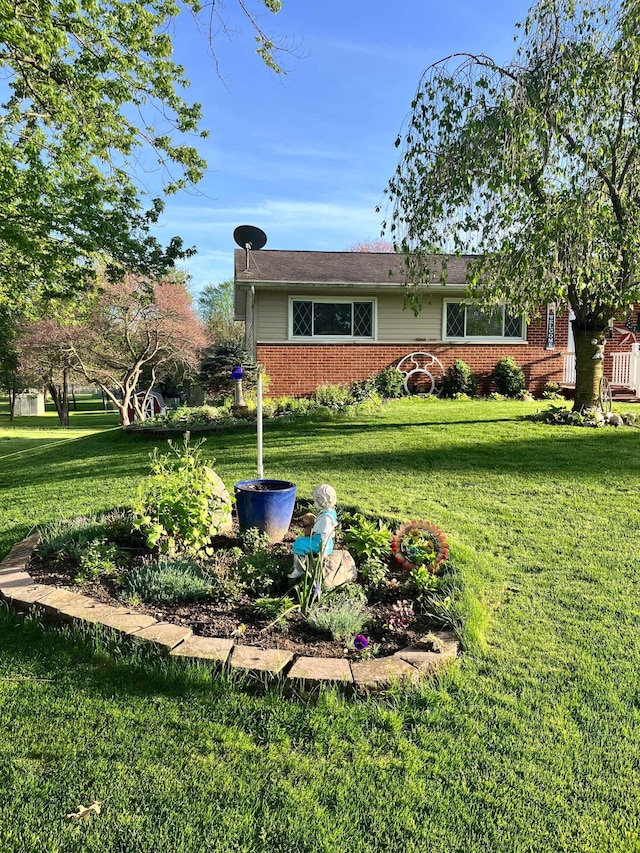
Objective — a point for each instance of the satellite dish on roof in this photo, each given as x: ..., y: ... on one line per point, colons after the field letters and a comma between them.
x: 249, y: 237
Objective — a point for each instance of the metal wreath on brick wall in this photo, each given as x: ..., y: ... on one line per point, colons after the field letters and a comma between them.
x: 424, y: 371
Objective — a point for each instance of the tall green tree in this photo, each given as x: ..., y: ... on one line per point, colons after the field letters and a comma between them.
x: 92, y: 91
x: 535, y: 166
x: 215, y: 305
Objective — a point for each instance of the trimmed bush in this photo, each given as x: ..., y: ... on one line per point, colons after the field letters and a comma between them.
x: 459, y: 379
x: 508, y: 378
x: 389, y: 383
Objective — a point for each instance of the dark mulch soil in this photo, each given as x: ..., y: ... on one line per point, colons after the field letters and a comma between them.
x: 219, y: 619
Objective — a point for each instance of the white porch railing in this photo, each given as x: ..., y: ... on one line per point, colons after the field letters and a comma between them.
x: 621, y: 369
x: 625, y: 372
x: 569, y: 369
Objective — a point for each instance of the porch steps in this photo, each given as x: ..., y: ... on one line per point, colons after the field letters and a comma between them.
x: 620, y: 393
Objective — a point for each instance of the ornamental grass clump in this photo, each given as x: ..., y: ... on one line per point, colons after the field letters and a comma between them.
x: 166, y: 580
x: 342, y: 616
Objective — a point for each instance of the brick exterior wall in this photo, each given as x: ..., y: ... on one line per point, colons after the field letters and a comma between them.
x: 297, y: 369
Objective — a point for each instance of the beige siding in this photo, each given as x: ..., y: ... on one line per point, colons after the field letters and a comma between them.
x: 394, y: 322
x: 271, y: 316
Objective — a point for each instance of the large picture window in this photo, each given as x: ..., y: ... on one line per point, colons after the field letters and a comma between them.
x: 332, y: 318
x: 471, y: 321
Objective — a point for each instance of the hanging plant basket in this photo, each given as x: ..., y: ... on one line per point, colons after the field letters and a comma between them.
x: 419, y: 543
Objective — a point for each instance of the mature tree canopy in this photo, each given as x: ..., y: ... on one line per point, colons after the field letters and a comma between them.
x: 535, y: 166
x: 372, y: 246
x: 91, y: 90
x: 134, y: 326
x: 215, y: 305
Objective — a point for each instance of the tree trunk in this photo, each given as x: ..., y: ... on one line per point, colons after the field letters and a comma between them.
x: 12, y: 402
x: 588, y: 343
x: 60, y: 397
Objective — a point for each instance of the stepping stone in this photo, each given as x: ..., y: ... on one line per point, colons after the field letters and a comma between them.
x: 382, y: 672
x: 165, y: 635
x: 312, y: 672
x: 198, y: 648
x: 254, y: 659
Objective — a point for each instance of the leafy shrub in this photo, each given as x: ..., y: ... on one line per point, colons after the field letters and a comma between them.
x: 183, y: 503
x: 551, y: 391
x: 166, y: 580
x: 508, y: 378
x: 390, y: 383
x: 459, y: 379
x: 222, y: 573
x: 334, y: 397
x: 341, y: 615
x: 365, y: 538
x: 372, y: 572
x: 364, y: 389
x: 261, y: 565
x: 98, y: 557
x: 423, y: 580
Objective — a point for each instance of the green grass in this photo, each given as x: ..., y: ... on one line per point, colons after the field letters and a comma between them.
x: 531, y: 745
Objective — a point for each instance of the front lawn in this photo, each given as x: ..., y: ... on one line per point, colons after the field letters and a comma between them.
x: 531, y: 744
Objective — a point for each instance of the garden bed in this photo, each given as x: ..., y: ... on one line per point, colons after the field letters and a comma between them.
x: 387, y: 629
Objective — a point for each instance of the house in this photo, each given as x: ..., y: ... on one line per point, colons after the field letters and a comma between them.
x: 335, y: 317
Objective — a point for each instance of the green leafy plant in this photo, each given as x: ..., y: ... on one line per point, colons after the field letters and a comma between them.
x: 275, y: 610
x: 372, y: 572
x: 508, y: 378
x: 458, y: 380
x: 366, y: 539
x: 98, y: 557
x: 183, y: 503
x: 342, y: 616
x: 423, y: 580
x: 363, y: 390
x: 166, y: 580
x: 261, y: 565
x: 390, y: 383
x: 334, y: 397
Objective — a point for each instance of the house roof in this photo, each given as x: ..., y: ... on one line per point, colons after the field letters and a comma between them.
x: 272, y: 266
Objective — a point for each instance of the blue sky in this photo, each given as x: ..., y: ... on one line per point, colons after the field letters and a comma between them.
x: 306, y: 156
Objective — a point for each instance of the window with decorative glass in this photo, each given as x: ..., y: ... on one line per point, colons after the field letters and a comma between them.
x: 466, y: 320
x: 316, y: 318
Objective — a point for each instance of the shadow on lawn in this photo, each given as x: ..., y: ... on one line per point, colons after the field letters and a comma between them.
x: 398, y: 447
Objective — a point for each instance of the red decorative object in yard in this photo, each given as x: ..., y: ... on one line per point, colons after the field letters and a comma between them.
x: 154, y: 405
x: 419, y: 543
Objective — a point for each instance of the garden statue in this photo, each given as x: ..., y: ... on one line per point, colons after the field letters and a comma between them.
x: 320, y: 540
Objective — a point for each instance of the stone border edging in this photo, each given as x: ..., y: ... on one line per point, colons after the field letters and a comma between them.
x: 24, y: 595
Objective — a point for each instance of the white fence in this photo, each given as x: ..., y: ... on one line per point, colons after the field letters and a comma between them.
x: 621, y: 368
x: 626, y: 369
x: 569, y: 369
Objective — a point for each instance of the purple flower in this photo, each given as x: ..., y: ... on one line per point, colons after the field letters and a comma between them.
x: 360, y: 642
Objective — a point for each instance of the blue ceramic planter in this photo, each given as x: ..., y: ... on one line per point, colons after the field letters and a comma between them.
x: 265, y: 504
